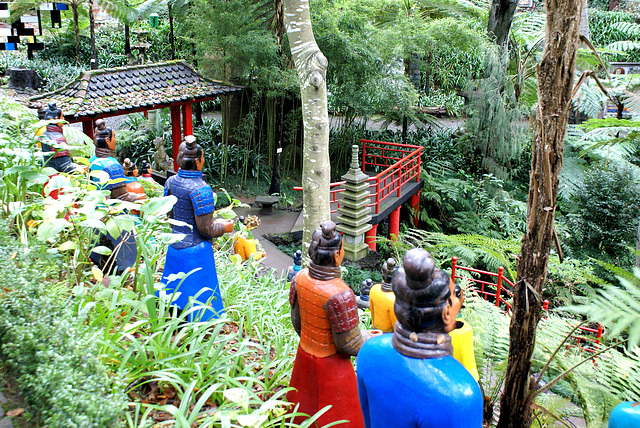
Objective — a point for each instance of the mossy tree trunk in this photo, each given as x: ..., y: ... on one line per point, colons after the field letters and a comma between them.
x: 555, y: 84
x: 311, y: 67
x: 500, y: 18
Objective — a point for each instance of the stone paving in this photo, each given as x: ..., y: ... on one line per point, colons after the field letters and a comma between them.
x: 5, y: 422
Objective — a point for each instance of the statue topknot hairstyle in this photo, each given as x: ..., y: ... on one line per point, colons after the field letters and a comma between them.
x: 188, y: 153
x: 422, y: 292
x: 326, y: 242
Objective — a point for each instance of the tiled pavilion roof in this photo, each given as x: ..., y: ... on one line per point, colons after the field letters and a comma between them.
x: 112, y: 91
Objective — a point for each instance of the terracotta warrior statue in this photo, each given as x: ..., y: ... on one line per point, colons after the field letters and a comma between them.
x: 381, y: 299
x: 145, y: 170
x: 125, y: 248
x: 409, y: 378
x: 104, y: 160
x: 131, y: 178
x: 195, y: 207
x: 53, y: 142
x: 325, y: 315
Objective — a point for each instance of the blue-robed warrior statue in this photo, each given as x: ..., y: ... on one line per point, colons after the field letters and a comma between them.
x: 410, y: 379
x: 194, y: 253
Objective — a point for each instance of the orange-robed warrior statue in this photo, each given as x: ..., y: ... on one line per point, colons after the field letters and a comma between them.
x: 325, y: 315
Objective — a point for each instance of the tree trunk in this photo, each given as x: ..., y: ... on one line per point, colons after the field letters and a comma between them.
x: 127, y: 35
x: 311, y: 67
x: 171, y: 35
x: 76, y: 30
x: 500, y: 19
x: 555, y: 83
x: 92, y: 40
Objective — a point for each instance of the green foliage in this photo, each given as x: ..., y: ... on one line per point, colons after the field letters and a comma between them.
x: 48, y: 346
x: 617, y: 33
x: 363, y: 75
x: 604, y: 217
x: 452, y: 102
x: 236, y: 46
x: 616, y: 306
x: 459, y: 203
x: 493, y: 132
x: 53, y: 74
x: 451, y: 68
x: 472, y: 250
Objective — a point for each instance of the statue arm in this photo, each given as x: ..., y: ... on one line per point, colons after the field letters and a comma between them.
x: 343, y: 315
x: 295, y: 308
x: 210, y: 228
x: 203, y: 206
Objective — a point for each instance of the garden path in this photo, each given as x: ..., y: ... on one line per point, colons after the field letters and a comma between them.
x: 281, y: 221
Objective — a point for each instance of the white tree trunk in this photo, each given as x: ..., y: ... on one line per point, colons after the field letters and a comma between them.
x: 311, y: 66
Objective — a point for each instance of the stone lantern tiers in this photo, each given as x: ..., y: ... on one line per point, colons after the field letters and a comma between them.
x: 354, y: 215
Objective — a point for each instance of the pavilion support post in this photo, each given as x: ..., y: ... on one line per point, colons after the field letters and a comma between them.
x: 175, y: 134
x: 370, y: 237
x: 187, y: 126
x: 87, y: 128
x: 394, y: 224
x: 414, y: 202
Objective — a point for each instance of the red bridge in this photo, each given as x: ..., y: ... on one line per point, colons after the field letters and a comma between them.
x: 394, y: 178
x: 498, y: 289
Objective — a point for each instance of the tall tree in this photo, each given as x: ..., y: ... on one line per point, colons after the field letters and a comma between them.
x: 555, y: 84
x: 311, y: 67
x: 500, y: 18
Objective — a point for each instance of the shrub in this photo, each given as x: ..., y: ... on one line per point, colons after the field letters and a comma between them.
x: 604, y: 216
x: 46, y: 344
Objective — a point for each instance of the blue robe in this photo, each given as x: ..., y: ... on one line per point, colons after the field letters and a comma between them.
x: 625, y: 415
x: 404, y: 392
x: 194, y: 252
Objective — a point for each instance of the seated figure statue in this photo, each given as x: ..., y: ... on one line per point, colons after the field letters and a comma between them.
x: 104, y: 160
x: 325, y: 315
x: 194, y: 252
x: 53, y: 142
x: 161, y: 161
x: 409, y: 378
x: 381, y: 299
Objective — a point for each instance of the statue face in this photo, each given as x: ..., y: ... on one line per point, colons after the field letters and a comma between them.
x: 200, y: 162
x: 452, y: 309
x: 340, y: 256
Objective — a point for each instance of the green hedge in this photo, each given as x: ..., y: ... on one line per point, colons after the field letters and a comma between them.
x: 46, y: 345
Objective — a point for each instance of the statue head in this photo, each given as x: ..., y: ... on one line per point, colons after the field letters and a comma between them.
x: 326, y: 245
x: 426, y: 299
x: 388, y: 269
x: 365, y: 288
x: 52, y: 112
x: 145, y: 167
x: 190, y: 154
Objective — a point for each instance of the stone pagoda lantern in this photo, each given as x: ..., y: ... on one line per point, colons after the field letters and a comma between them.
x: 353, y: 214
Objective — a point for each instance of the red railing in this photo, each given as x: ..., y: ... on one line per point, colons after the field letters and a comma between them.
x: 400, y: 163
x: 591, y: 336
x: 498, y: 292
